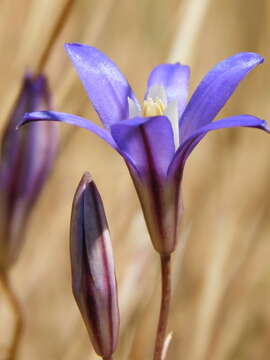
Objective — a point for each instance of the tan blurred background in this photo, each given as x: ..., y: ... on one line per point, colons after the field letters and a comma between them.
x: 221, y: 274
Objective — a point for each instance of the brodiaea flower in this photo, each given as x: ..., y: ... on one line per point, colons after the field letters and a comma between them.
x: 156, y: 139
x: 26, y: 160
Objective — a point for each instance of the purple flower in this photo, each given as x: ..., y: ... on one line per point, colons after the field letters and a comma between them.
x: 26, y: 159
x: 156, y: 139
x: 92, y: 265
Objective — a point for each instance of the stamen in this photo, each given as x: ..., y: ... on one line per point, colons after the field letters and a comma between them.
x: 156, y: 105
x: 153, y: 108
x: 157, y: 92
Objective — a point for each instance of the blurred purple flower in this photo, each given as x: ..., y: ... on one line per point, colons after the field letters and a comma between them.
x: 92, y: 264
x: 26, y: 159
x: 157, y: 139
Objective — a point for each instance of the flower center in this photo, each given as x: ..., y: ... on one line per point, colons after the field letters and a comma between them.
x: 153, y: 107
x: 156, y: 104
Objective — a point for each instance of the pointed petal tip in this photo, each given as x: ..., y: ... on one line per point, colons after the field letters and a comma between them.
x: 175, y: 79
x: 28, y: 75
x: 73, y: 48
x: 266, y: 127
x: 106, y: 86
x: 70, y: 46
x: 35, y: 83
x: 247, y: 59
x: 182, y: 66
x: 29, y: 117
x: 87, y: 176
x: 255, y: 56
x: 86, y: 179
x: 260, y: 59
x: 185, y: 149
x: 215, y: 89
x: 23, y: 121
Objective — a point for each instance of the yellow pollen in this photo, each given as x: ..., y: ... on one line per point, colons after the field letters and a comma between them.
x: 153, y: 108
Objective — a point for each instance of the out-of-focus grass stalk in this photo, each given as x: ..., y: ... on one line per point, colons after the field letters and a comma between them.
x: 191, y: 18
x: 130, y: 301
x: 60, y: 22
x: 234, y: 286
x: 39, y: 10
x: 179, y: 254
x: 18, y: 319
x: 38, y: 34
x: 55, y: 33
x: 213, y: 289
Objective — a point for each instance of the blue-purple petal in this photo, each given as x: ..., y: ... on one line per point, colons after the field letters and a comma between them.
x: 214, y: 91
x: 148, y: 141
x: 107, y: 88
x: 178, y: 163
x: 70, y: 119
x: 175, y: 79
x: 80, y: 122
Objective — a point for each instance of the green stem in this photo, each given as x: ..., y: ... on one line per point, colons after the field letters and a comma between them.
x: 164, y: 306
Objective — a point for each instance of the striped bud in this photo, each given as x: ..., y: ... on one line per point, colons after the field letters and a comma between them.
x: 92, y: 266
x: 27, y: 156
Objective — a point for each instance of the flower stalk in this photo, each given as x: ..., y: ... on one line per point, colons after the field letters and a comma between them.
x: 165, y: 261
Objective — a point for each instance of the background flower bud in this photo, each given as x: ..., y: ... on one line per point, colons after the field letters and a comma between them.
x: 93, y: 276
x: 27, y: 156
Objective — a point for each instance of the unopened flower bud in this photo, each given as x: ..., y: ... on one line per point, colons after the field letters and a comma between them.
x: 26, y: 159
x: 92, y: 264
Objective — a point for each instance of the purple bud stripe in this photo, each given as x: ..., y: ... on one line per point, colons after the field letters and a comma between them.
x: 104, y: 226
x: 90, y: 305
x: 153, y: 179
